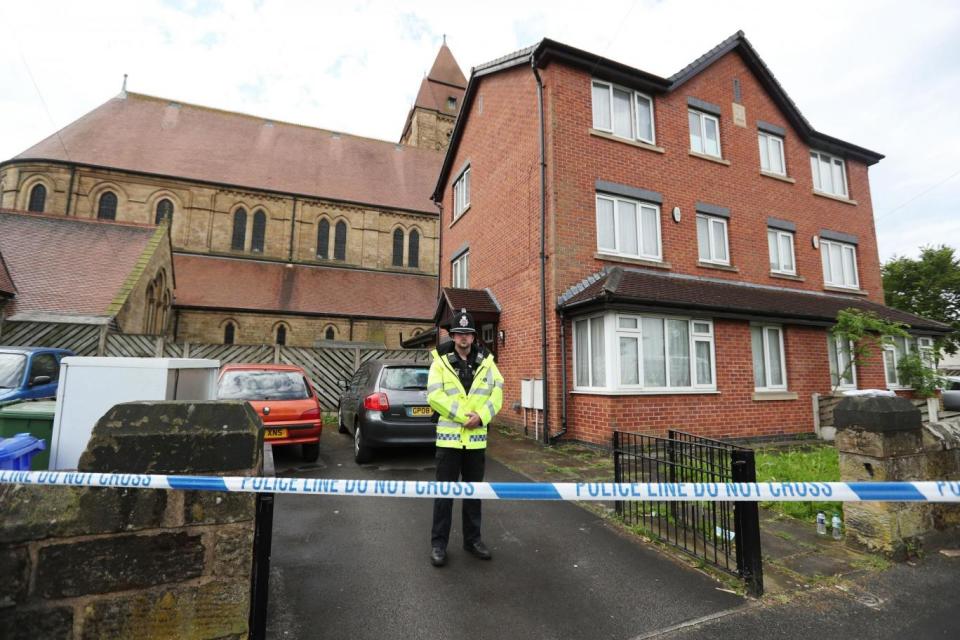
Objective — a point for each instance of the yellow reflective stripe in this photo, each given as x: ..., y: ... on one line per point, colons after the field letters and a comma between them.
x: 436, y: 386
x: 482, y: 392
x: 452, y: 392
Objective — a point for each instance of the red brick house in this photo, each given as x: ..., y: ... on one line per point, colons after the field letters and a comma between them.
x: 663, y: 252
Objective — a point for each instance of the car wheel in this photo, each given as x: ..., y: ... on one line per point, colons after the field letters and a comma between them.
x: 361, y: 452
x: 310, y: 451
x: 342, y: 428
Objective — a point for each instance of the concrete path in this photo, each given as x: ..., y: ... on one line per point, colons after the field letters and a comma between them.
x: 359, y: 567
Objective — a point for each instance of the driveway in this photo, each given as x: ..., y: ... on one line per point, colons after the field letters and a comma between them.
x: 359, y: 567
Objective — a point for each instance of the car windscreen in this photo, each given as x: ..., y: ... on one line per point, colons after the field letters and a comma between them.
x: 11, y: 370
x: 262, y: 385
x: 404, y: 378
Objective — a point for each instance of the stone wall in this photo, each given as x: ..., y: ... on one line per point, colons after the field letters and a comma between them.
x: 137, y: 563
x: 884, y: 439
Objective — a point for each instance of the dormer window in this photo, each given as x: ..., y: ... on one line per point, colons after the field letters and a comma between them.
x: 451, y: 103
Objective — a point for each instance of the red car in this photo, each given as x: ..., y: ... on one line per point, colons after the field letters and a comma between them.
x: 284, y: 398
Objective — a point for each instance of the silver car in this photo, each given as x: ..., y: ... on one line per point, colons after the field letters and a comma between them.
x: 385, y: 404
x: 951, y: 393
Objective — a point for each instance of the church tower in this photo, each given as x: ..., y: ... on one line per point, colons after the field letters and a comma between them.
x: 430, y: 121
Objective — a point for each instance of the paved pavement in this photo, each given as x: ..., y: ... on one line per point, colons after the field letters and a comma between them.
x: 359, y: 567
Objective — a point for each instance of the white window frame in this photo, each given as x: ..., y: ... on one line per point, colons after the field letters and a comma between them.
x: 817, y: 160
x: 838, y: 383
x: 460, y: 271
x: 767, y: 142
x: 768, y: 385
x: 461, y: 194
x: 713, y: 223
x: 826, y: 258
x: 577, y: 348
x: 923, y: 345
x: 702, y: 117
x: 639, y: 205
x: 700, y: 330
x: 778, y: 235
x: 635, y: 97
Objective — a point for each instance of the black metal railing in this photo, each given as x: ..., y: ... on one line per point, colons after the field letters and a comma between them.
x: 724, y: 534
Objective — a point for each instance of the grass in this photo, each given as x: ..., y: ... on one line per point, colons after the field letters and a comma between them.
x: 807, y: 464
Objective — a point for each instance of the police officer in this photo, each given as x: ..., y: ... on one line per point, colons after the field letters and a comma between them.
x: 465, y: 389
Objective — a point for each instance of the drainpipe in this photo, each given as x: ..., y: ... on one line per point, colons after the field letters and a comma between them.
x: 439, y: 251
x: 543, y: 253
x: 293, y: 226
x: 563, y: 382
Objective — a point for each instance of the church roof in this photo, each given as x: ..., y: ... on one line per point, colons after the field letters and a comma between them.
x: 69, y: 266
x: 145, y: 134
x: 210, y: 282
x: 446, y: 70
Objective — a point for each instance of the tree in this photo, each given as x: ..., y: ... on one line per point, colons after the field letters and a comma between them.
x: 864, y: 331
x: 928, y: 287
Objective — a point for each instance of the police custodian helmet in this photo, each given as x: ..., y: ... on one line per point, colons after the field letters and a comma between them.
x: 462, y: 322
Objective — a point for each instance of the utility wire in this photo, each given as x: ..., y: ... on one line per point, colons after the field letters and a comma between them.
x: 922, y: 193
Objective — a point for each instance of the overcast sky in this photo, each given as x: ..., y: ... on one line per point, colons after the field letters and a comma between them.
x: 884, y: 75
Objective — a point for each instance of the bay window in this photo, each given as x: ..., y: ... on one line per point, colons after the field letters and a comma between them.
x: 649, y: 353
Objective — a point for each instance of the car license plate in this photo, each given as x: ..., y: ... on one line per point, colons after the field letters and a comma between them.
x: 275, y: 433
x: 421, y: 411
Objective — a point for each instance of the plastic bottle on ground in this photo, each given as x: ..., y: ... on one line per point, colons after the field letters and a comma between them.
x: 835, y: 525
x: 822, y: 523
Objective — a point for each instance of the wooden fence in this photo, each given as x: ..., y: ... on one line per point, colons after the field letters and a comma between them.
x: 325, y: 366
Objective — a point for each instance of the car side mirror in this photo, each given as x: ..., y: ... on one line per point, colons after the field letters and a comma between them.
x: 40, y: 380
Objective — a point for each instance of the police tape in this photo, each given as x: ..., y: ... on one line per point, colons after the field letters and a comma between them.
x: 927, y: 491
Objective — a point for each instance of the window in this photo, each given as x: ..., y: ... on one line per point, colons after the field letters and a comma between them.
x: 107, y: 208
x: 330, y: 334
x: 840, y: 353
x: 164, y: 212
x: 769, y: 364
x: 259, y: 231
x: 589, y: 353
x: 648, y: 353
x: 461, y: 194
x: 459, y: 270
x: 229, y: 333
x: 712, y: 239
x: 839, y: 264
x: 323, y: 239
x: 413, y: 251
x: 704, y: 133
x: 622, y: 112
x: 628, y: 228
x: 239, y: 230
x: 398, y: 248
x: 893, y: 354
x: 780, y: 244
x: 281, y: 335
x: 829, y: 174
x: 340, y: 241
x: 38, y: 198
x: 771, y: 154
x: 44, y: 364
x: 451, y: 103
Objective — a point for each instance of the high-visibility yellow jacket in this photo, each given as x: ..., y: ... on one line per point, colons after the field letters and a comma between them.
x: 454, y: 404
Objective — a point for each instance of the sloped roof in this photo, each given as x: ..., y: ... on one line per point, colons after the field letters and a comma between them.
x: 157, y: 136
x: 209, y: 282
x: 444, y: 81
x: 479, y: 302
x: 446, y: 70
x: 676, y: 291
x: 7, y: 288
x: 69, y: 266
x: 547, y: 51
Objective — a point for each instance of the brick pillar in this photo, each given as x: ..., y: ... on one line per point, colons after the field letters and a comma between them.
x: 881, y: 439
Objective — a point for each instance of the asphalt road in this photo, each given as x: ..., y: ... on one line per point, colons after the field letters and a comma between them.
x: 359, y: 567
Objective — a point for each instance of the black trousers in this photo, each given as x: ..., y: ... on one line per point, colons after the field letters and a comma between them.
x: 454, y: 465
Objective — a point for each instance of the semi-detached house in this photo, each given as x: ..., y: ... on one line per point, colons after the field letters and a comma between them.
x: 665, y: 252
